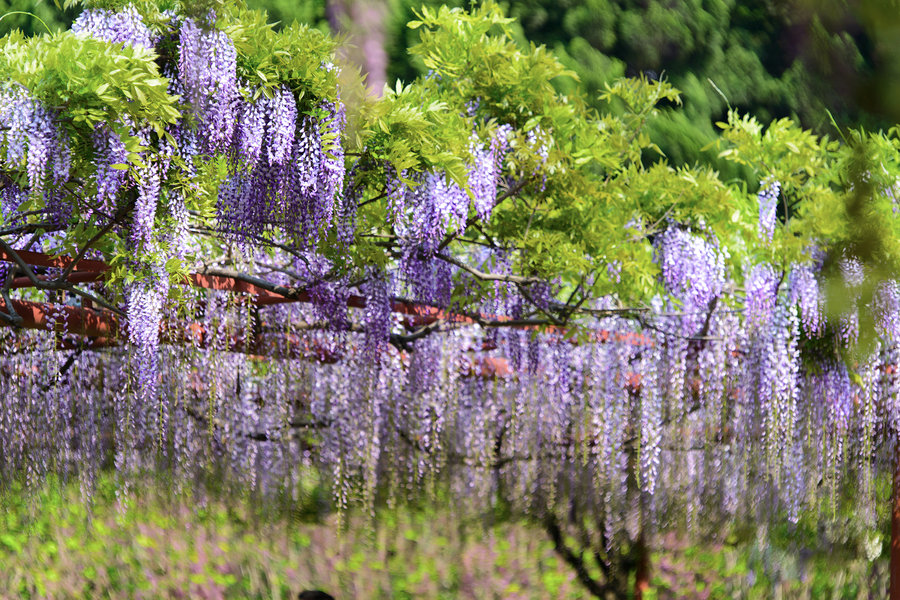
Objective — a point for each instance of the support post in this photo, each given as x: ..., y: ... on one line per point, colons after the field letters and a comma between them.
x: 895, y: 527
x: 642, y: 571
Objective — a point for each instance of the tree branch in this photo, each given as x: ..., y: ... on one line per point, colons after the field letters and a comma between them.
x: 55, y: 284
x: 63, y: 369
x: 487, y: 276
x: 511, y: 191
x: 576, y: 561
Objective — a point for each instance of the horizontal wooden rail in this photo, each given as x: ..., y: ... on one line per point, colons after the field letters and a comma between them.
x: 102, y: 326
x: 61, y: 317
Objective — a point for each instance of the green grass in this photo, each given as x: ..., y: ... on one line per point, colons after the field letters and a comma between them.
x: 162, y: 545
x: 52, y: 546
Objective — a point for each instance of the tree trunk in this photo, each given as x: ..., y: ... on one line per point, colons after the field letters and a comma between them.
x: 895, y: 527
x: 642, y: 569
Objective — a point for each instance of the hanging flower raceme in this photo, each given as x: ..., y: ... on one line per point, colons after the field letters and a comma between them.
x: 207, y: 70
x: 416, y: 208
x: 377, y: 317
x: 887, y: 309
x: 693, y: 271
x: 124, y: 26
x: 308, y: 157
x: 701, y: 403
x: 281, y: 126
x: 288, y: 170
x: 779, y: 383
x: 110, y: 158
x: 761, y: 288
x: 768, y: 205
x: 651, y: 415
x: 145, y: 299
x: 853, y: 273
x: 803, y: 288
x: 251, y: 130
x: 29, y: 133
x: 331, y: 172
x: 16, y: 116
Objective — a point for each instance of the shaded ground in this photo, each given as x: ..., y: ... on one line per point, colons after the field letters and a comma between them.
x: 159, y: 548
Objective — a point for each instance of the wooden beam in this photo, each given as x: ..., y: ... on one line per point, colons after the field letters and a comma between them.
x: 41, y: 259
x: 72, y: 319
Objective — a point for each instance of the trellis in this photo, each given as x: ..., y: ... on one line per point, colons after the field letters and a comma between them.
x: 101, y: 328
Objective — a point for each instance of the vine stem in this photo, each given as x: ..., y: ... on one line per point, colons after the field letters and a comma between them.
x: 25, y: 12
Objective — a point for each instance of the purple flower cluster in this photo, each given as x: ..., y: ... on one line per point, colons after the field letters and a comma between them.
x: 768, y: 206
x: 145, y: 207
x: 251, y: 131
x: 779, y: 383
x: 207, y: 71
x: 427, y: 279
x: 29, y: 133
x: 651, y: 416
x: 601, y: 421
x: 434, y: 205
x: 803, y: 289
x: 376, y: 317
x: 289, y: 170
x: 330, y: 303
x: 281, y: 124
x: 761, y: 288
x: 109, y: 150
x: 636, y: 417
x: 887, y: 309
x: 144, y: 304
x: 853, y: 274
x: 125, y: 26
x: 693, y: 271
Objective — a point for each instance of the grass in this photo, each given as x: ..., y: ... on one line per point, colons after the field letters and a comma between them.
x: 52, y: 546
x: 161, y: 545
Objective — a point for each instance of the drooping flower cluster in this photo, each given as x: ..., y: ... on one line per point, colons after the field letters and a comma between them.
x: 434, y: 205
x: 703, y: 424
x: 700, y: 406
x: 124, y: 26
x: 768, y: 206
x: 376, y: 317
x: 207, y: 71
x: 804, y: 291
x: 761, y: 287
x: 887, y: 308
x: 484, y: 173
x: 110, y: 159
x: 289, y: 170
x: 693, y: 271
x: 145, y: 299
x: 853, y: 274
x: 30, y: 133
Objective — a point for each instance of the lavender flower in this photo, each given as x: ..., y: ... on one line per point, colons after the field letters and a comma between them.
x: 803, y: 289
x: 251, y: 131
x: 125, y: 26
x: 281, y: 126
x: 768, y: 204
x: 109, y: 150
x: 207, y: 70
x: 693, y: 271
x: 761, y: 285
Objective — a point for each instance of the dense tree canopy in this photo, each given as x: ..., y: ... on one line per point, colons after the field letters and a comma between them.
x: 808, y: 61
x: 482, y: 279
